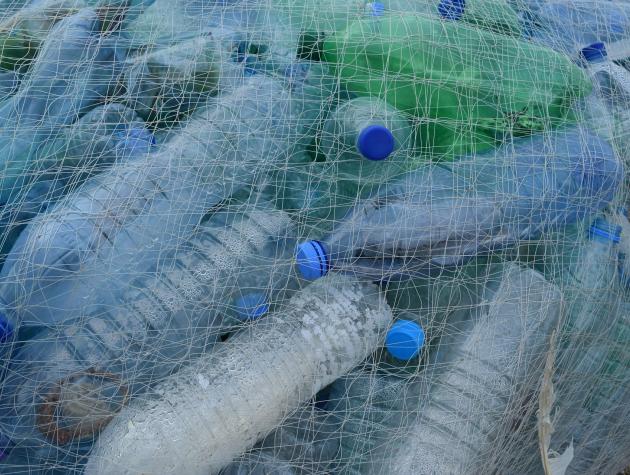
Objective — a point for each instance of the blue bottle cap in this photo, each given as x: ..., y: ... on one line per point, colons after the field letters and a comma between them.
x: 6, y: 329
x: 404, y: 339
x: 602, y: 228
x: 451, y: 9
x: 375, y: 9
x: 594, y: 52
x: 252, y: 306
x: 312, y: 260
x: 375, y: 142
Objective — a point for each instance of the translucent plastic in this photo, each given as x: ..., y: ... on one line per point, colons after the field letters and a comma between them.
x: 223, y: 403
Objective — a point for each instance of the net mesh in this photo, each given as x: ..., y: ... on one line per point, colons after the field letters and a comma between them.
x: 299, y: 237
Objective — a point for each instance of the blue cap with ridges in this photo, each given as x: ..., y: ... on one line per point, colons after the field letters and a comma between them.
x: 404, y: 340
x: 594, y: 52
x: 6, y: 329
x: 252, y: 306
x: 375, y: 8
x: 312, y: 260
x: 451, y: 9
x: 602, y: 228
x: 375, y: 142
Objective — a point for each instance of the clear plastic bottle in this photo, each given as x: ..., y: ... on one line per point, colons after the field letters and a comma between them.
x: 224, y: 402
x: 123, y: 220
x: 365, y: 142
x: 606, y: 109
x: 485, y: 373
x: 441, y: 216
x: 74, y: 71
x: 105, y: 135
x: 568, y: 25
x: 586, y: 364
x: 234, y: 270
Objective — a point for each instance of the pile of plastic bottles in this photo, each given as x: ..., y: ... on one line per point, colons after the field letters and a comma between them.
x: 314, y: 237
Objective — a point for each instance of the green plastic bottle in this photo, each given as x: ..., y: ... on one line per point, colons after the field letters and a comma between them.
x: 468, y: 87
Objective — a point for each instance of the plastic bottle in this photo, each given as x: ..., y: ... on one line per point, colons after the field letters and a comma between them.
x: 103, y: 136
x: 233, y: 271
x: 604, y: 419
x: 24, y: 31
x: 441, y: 216
x: 586, y: 366
x: 488, y: 373
x: 469, y: 88
x: 366, y: 143
x: 569, y: 25
x: 75, y: 69
x: 121, y: 221
x: 248, y: 387
x: 606, y: 109
x: 498, y: 16
x: 362, y: 135
x: 166, y: 82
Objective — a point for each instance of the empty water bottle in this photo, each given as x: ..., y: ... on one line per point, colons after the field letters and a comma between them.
x: 245, y: 389
x: 489, y: 372
x: 607, y: 107
x: 170, y: 81
x: 569, y: 25
x: 365, y: 142
x: 26, y: 29
x: 602, y: 429
x: 75, y: 69
x: 123, y: 219
x: 590, y: 280
x: 443, y: 215
x: 234, y: 269
x: 106, y: 134
x: 496, y: 16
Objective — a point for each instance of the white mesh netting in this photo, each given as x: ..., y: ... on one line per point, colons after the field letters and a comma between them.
x: 314, y: 236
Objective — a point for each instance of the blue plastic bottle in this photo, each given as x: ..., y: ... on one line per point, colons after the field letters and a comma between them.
x: 231, y: 272
x: 123, y: 220
x: 441, y: 216
x: 569, y: 25
x: 607, y: 109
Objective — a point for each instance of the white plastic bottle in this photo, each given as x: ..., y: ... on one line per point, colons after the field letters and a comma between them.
x: 197, y: 421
